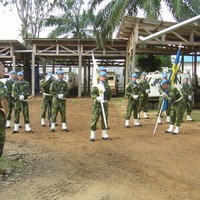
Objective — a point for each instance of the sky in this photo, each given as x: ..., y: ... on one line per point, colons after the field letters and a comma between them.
x: 10, y: 23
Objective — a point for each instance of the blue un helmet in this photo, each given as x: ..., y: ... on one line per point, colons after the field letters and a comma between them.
x: 60, y: 72
x: 164, y: 75
x: 102, y: 69
x: 163, y: 82
x: 186, y: 76
x: 20, y: 74
x: 49, y: 74
x: 12, y: 72
x: 103, y: 73
x: 134, y: 75
x: 144, y: 73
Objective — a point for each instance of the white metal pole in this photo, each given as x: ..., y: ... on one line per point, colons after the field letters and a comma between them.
x: 159, y: 33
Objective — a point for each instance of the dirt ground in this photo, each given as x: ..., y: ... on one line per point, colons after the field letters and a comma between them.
x: 135, y: 165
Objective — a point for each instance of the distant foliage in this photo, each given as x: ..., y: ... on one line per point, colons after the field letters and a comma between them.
x: 73, y: 21
x: 109, y: 18
x: 151, y: 63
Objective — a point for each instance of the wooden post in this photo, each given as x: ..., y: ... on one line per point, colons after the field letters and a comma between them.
x: 134, y: 43
x: 80, y: 50
x: 89, y: 77
x: 195, y: 68
x: 85, y: 79
x: 33, y: 70
x: 13, y: 63
x: 12, y: 53
x: 44, y: 67
x: 53, y: 67
x: 125, y: 74
x: 126, y: 66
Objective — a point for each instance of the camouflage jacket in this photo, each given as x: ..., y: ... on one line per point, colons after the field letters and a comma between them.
x: 174, y: 95
x: 45, y: 85
x: 186, y: 90
x: 107, y: 94
x: 132, y: 88
x: 59, y: 87
x: 3, y: 92
x: 9, y: 85
x: 21, y: 88
x: 144, y: 85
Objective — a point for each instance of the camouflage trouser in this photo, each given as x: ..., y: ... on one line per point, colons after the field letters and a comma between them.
x: 21, y: 107
x: 96, y: 113
x: 160, y: 104
x: 177, y: 111
x: 46, y: 107
x: 143, y: 103
x: 59, y: 106
x: 188, y: 107
x: 10, y: 109
x: 2, y: 131
x: 132, y: 106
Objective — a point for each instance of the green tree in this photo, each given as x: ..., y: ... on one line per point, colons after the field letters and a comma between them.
x: 151, y: 63
x: 109, y: 18
x: 74, y: 22
x: 32, y: 14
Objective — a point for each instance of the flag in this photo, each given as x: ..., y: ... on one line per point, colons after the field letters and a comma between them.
x: 95, y: 72
x: 175, y: 67
x: 165, y: 104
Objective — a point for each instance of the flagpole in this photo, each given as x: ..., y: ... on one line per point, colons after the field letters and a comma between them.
x: 154, y: 132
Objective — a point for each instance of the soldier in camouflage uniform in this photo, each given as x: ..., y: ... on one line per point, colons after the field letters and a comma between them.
x: 59, y: 91
x: 47, y: 98
x: 132, y: 92
x: 3, y: 109
x: 9, y: 84
x: 101, y: 94
x: 176, y: 100
x: 162, y: 94
x: 145, y: 90
x: 187, y: 93
x: 20, y: 93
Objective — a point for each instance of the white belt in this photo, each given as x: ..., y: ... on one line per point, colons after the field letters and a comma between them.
x: 46, y: 94
x: 178, y: 100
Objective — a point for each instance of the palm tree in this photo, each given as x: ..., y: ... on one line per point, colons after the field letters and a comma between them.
x: 74, y: 22
x: 109, y: 18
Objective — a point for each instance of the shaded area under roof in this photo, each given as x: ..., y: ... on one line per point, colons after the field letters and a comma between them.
x: 133, y: 27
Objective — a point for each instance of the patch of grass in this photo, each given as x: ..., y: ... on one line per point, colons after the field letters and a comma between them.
x: 195, y: 115
x: 9, y: 163
x: 118, y: 100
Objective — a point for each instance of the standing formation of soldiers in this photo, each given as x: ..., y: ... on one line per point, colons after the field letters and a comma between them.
x: 16, y: 93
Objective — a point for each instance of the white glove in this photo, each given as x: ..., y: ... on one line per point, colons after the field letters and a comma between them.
x: 190, y: 98
x: 60, y: 96
x: 99, y: 99
x: 164, y: 95
x: 21, y: 97
x: 47, y: 78
x: 147, y: 91
x: 135, y: 97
